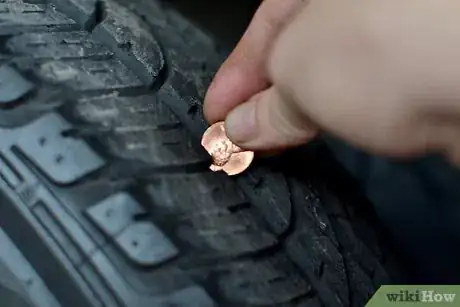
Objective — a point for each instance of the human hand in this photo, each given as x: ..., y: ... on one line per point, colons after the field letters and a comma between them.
x: 382, y: 75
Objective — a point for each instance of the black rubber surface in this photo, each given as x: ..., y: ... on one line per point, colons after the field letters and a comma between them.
x: 107, y: 199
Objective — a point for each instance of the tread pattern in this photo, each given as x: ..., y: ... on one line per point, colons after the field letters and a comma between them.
x: 102, y: 168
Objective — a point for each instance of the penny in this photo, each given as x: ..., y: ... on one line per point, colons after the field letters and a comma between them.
x: 226, y: 156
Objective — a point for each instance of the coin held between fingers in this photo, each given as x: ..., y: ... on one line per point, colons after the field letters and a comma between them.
x: 226, y: 156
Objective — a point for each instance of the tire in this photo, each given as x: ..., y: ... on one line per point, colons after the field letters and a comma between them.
x: 106, y: 196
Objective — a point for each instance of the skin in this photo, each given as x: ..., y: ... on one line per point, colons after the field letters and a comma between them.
x: 382, y: 75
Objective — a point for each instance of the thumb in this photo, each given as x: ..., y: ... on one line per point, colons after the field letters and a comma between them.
x: 269, y: 121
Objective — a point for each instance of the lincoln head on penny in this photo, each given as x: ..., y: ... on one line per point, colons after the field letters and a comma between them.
x: 226, y: 156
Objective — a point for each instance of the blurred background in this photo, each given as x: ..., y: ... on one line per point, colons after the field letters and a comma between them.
x: 225, y: 20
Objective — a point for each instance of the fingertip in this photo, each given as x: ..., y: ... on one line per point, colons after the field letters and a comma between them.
x: 209, y: 104
x: 218, y: 97
x: 232, y: 85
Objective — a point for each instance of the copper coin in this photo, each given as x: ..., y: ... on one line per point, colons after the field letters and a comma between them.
x: 226, y: 156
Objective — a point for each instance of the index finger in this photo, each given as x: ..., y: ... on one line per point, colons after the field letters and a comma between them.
x: 243, y: 74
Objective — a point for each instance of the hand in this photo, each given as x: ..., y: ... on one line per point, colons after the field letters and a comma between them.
x: 383, y: 75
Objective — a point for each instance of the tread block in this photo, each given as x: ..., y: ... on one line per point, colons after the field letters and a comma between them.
x: 89, y: 75
x: 140, y: 241
x: 268, y: 191
x: 189, y: 296
x: 132, y: 43
x: 192, y: 296
x: 205, y: 211
x: 273, y: 280
x: 18, y: 17
x: 13, y: 86
x: 64, y: 160
x: 315, y: 253
x: 82, y: 11
x: 114, y: 213
x: 141, y: 128
x: 56, y: 45
x: 145, y: 244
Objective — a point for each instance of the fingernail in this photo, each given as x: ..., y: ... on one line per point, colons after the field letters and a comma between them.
x: 241, y: 124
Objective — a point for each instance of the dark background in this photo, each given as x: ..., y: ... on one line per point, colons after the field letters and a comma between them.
x: 226, y: 20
